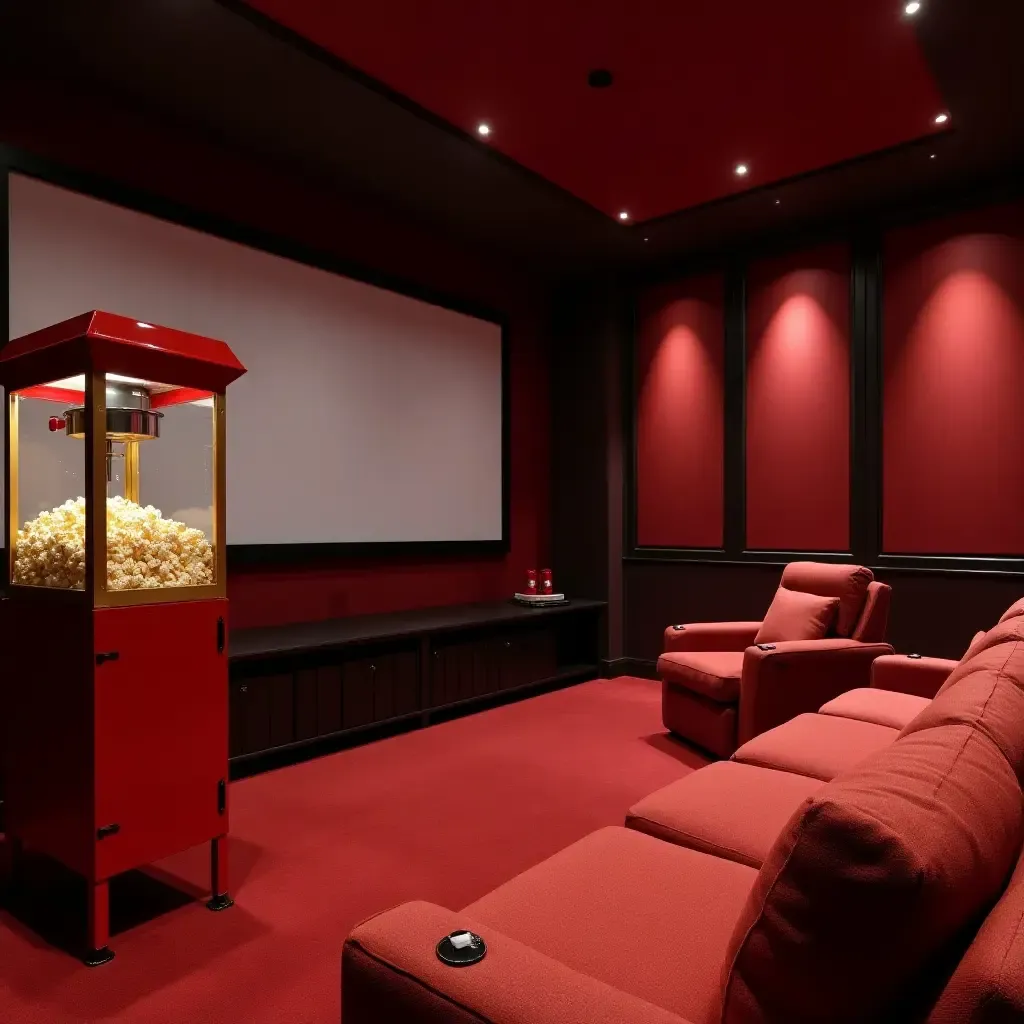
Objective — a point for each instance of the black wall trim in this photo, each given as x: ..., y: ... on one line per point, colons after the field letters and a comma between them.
x: 14, y: 161
x: 735, y: 509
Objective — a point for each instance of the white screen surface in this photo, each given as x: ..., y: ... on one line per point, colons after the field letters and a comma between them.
x: 365, y: 415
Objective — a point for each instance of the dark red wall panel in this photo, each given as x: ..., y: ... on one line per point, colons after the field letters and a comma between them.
x: 953, y: 386
x: 798, y: 402
x: 92, y: 132
x: 680, y: 414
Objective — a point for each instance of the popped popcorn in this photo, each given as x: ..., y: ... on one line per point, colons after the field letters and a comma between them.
x: 144, y: 550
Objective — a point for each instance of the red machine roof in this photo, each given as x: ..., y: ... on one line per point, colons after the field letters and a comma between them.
x: 110, y: 343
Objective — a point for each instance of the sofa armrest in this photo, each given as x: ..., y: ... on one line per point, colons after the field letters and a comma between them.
x: 794, y: 677
x: 390, y: 972
x: 904, y: 673
x: 710, y: 636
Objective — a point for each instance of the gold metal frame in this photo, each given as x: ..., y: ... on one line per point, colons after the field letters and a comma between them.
x: 11, y: 475
x: 131, y: 471
x: 96, y: 444
x: 95, y: 507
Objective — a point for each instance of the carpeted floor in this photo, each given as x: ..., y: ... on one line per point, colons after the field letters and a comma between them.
x: 442, y: 814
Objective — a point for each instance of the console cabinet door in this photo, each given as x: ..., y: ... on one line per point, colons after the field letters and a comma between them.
x: 379, y: 687
x: 396, y: 685
x: 262, y: 713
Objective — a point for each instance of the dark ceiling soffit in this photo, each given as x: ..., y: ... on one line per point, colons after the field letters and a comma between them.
x: 311, y: 49
x: 992, y: 190
x: 861, y: 159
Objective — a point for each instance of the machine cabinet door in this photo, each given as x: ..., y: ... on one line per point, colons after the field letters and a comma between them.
x: 161, y: 731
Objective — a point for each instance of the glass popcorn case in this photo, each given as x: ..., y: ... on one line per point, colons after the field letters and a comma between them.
x: 114, y: 731
x: 149, y: 453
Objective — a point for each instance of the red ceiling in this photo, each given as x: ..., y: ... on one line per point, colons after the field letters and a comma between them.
x: 788, y: 86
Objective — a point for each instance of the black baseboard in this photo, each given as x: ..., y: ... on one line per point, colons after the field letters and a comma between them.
x: 642, y: 667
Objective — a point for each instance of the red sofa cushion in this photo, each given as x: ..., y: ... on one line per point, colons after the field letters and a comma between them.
x: 987, y: 986
x: 882, y: 707
x: 874, y: 879
x: 847, y: 582
x: 646, y: 917
x: 820, y: 746
x: 727, y: 809
x: 794, y: 615
x: 713, y: 674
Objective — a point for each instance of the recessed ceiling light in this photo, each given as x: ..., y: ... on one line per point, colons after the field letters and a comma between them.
x: 483, y: 128
x: 623, y: 215
x: 931, y: 157
x: 742, y: 169
x: 646, y: 239
x: 942, y: 118
x: 778, y: 201
x: 912, y: 8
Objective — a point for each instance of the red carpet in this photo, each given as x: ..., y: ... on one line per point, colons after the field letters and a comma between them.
x: 442, y: 814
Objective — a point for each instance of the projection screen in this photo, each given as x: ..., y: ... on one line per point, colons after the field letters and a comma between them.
x: 366, y: 416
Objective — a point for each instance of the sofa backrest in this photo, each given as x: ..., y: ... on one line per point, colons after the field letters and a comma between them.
x: 847, y: 582
x: 874, y: 618
x: 986, y: 693
x: 876, y: 878
x: 987, y: 986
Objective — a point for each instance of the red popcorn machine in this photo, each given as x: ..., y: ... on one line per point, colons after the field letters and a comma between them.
x: 115, y: 691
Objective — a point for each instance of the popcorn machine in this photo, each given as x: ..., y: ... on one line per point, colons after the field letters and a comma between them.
x: 114, y: 701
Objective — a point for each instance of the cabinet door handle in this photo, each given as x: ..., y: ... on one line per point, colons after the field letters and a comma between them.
x: 243, y: 689
x: 107, y: 830
x: 103, y: 656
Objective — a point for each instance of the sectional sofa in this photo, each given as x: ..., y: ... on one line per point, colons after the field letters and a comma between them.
x: 858, y: 864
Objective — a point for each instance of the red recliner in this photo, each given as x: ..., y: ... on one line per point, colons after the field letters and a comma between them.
x: 721, y: 685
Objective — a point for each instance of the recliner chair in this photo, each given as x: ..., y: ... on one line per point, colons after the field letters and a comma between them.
x: 725, y: 682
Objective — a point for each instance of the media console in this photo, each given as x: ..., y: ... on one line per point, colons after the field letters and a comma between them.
x: 303, y: 689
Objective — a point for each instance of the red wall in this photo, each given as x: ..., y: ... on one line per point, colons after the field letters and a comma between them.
x: 798, y: 402
x: 680, y: 414
x: 91, y: 133
x: 953, y: 380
